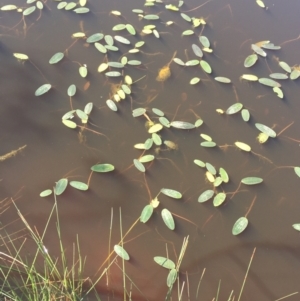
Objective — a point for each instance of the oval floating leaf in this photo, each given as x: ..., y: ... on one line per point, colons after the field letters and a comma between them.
x: 172, y: 276
x: 223, y: 80
x: 205, y: 66
x: 164, y: 262
x: 29, y: 10
x: 83, y: 71
x: 81, y: 10
x: 235, y: 108
x: 243, y: 146
x: 168, y: 219
x: 245, y: 115
x: 139, y: 166
x: 182, y: 125
x: 250, y: 77
x: 269, y: 82
x: 285, y: 67
x: 69, y: 123
x: 279, y: 76
x: 208, y: 144
x: 240, y: 225
x: 258, y: 50
x: 79, y: 185
x: 61, y: 186
x: 113, y: 74
x: 42, y: 89
x: 250, y: 60
x: 171, y: 193
x: 45, y: 193
x: 96, y: 37
x: 155, y: 128
x: 72, y: 90
x: 265, y: 129
x: 121, y: 252
x: 205, y: 196
x: 199, y: 163
x: 252, y: 180
x: 102, y: 167
x: 146, y: 158
x: 204, y: 41
x: 296, y: 227
x: 122, y: 40
x: 21, y: 56
x: 146, y: 213
x: 297, y: 171
x: 197, y: 50
x: 219, y: 199
x: 57, y: 57
x: 224, y: 175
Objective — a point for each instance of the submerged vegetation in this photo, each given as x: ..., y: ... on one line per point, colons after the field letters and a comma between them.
x: 167, y: 52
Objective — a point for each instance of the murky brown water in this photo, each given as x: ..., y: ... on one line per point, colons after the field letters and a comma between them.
x: 54, y: 151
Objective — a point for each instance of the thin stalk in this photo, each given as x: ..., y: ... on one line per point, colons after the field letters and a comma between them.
x: 200, y: 283
x: 218, y: 291
x: 242, y: 288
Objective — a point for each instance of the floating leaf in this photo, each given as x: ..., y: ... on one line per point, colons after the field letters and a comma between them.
x: 182, y: 125
x: 81, y: 10
x: 79, y: 185
x: 197, y: 50
x: 210, y: 177
x: 111, y: 47
x: 146, y: 213
x: 115, y: 64
x: 29, y: 10
x: 269, y: 82
x: 151, y: 17
x: 62, y: 5
x: 155, y: 128
x: 122, y: 40
x: 192, y: 63
x: 72, y: 90
x: 265, y: 129
x: 223, y: 80
x: 240, y: 225
x: 83, y: 71
x: 208, y: 144
x: 250, y: 77
x: 164, y: 121
x: 70, y: 6
x: 250, y: 60
x: 138, y: 112
x: 243, y: 146
x: 205, y: 196
x: 188, y: 32
x: 88, y: 108
x: 102, y: 67
x: 235, y: 108
x: 258, y: 50
x: 119, y: 27
x: 171, y: 193
x: 8, y: 7
x: 156, y: 139
x: 112, y: 105
x: 158, y: 112
x: 270, y: 46
x: 134, y: 62
x: 130, y: 29
x: 148, y: 144
x: 295, y: 74
x: 102, y: 167
x: 96, y: 37
x: 218, y: 181
x: 164, y: 262
x: 21, y: 56
x: 206, y: 137
x: 199, y: 163
x: 224, y: 175
x: 113, y: 74
x: 168, y: 219
x: 39, y: 5
x: 178, y: 61
x: 69, y: 123
x: 45, y: 193
x: 57, y: 57
x: 205, y: 66
x: 42, y: 89
x: 296, y: 227
x: 186, y: 17
x: 278, y: 92
x: 285, y: 67
x: 172, y: 276
x: 61, y: 186
x: 219, y: 199
x: 245, y: 115
x: 146, y: 158
x: 210, y: 168
x: 279, y: 76
x: 252, y: 180
x: 121, y: 252
x: 115, y: 12
x: 139, y: 166
x: 260, y: 3
x: 100, y: 47
x: 297, y: 171
x: 204, y: 41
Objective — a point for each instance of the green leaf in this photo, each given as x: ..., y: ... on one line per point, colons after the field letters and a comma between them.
x: 258, y: 50
x: 134, y: 62
x: 148, y: 144
x: 295, y: 74
x: 171, y: 193
x: 245, y: 115
x: 164, y: 121
x: 155, y: 128
x: 210, y: 168
x: 113, y: 74
x: 278, y: 92
x: 223, y: 80
x: 172, y: 276
x: 151, y: 17
x: 250, y: 77
x: 60, y: 186
x: 285, y: 67
x: 57, y: 57
x: 186, y: 17
x: 115, y: 64
x: 8, y: 7
x: 192, y: 63
x: 69, y: 123
x: 70, y: 6
x: 156, y: 139
x: 188, y: 32
x: 45, y: 193
x: 121, y: 252
x: 122, y: 40
x: 165, y: 262
x: 96, y: 37
x: 265, y: 129
x: 205, y: 196
x: 269, y: 82
x: 197, y: 50
x: 146, y: 158
x: 279, y: 76
x: 29, y: 10
x: 252, y: 180
x: 296, y: 227
x: 224, y: 175
x: 158, y: 112
x: 243, y: 146
x: 79, y: 185
x: 112, y: 105
x: 219, y: 199
x: 297, y: 171
x: 21, y: 56
x: 240, y: 225
x: 178, y: 61
x: 72, y: 90
x: 139, y: 166
x: 168, y: 219
x: 199, y: 163
x: 250, y: 60
x: 81, y: 10
x: 235, y: 108
x: 42, y: 89
x: 205, y: 66
x: 119, y: 27
x: 88, y: 108
x: 208, y: 144
x: 102, y: 167
x: 182, y: 125
x: 146, y: 213
x: 130, y: 29
x: 204, y: 41
x: 198, y: 122
x: 83, y: 71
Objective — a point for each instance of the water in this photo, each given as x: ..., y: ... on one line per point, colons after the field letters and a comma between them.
x: 54, y: 151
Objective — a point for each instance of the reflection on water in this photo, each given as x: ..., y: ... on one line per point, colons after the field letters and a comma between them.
x: 54, y: 151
